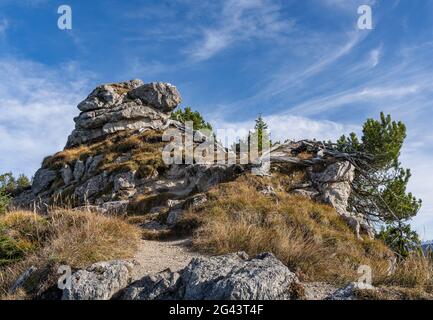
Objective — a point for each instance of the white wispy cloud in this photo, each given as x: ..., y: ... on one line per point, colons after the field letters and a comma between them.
x: 369, y: 94
x: 375, y: 56
x: 36, y: 111
x: 346, y: 4
x: 240, y: 20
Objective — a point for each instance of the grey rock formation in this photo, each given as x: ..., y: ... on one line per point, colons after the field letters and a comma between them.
x: 92, y: 187
x: 107, y: 208
x: 161, y: 286
x: 92, y: 163
x: 227, y: 277
x: 174, y: 216
x: 100, y: 281
x: 42, y: 180
x: 124, y: 181
x: 349, y: 292
x: 318, y: 290
x: 162, y: 96
x: 129, y: 105
x: 203, y: 177
x: 66, y: 173
x: 334, y: 185
x: 330, y: 184
x: 79, y: 170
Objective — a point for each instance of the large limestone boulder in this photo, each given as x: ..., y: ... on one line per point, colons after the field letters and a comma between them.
x: 228, y: 277
x: 349, y: 292
x: 162, y: 96
x: 100, y: 281
x: 334, y: 185
x: 107, y: 95
x: 130, y: 105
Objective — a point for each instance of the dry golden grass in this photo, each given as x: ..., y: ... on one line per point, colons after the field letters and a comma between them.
x: 141, y: 204
x: 72, y: 238
x: 90, y: 237
x: 307, y: 236
x: 414, y: 272
x: 145, y: 149
x: 393, y: 293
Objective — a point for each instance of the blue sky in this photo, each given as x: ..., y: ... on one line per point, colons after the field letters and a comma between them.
x: 303, y: 64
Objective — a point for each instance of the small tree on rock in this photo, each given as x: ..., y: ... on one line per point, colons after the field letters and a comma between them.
x: 379, y: 190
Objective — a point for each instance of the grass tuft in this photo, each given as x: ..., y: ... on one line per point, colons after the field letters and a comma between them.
x: 65, y: 237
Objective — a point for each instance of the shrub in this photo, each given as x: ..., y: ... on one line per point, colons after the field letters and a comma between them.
x: 4, y: 201
x: 20, y: 233
x: 194, y: 116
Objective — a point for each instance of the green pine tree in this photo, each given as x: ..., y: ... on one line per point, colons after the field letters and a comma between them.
x: 188, y: 115
x: 380, y: 185
x: 9, y: 187
x: 401, y: 239
x: 261, y: 132
x: 259, y: 135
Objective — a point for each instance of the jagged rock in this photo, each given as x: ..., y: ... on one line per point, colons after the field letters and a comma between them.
x: 176, y: 211
x: 318, y: 290
x: 108, y: 94
x: 203, y: 177
x: 100, y: 281
x: 195, y: 201
x: 79, y: 169
x: 123, y: 106
x: 162, y: 96
x: 24, y: 200
x: 174, y: 203
x: 268, y: 191
x: 161, y: 286
x: 115, y: 207
x: 308, y: 193
x: 174, y: 216
x: 42, y: 180
x: 227, y: 277
x: 124, y: 180
x: 107, y: 208
x: 154, y: 225
x: 349, y: 292
x: 334, y: 184
x: 92, y: 163
x: 66, y: 173
x: 92, y: 186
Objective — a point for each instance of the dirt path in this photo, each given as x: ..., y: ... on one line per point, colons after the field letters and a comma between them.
x: 156, y: 256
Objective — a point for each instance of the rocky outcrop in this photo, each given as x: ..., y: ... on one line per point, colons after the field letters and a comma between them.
x: 350, y: 291
x: 42, y: 180
x: 330, y: 176
x: 334, y: 186
x: 130, y: 105
x: 100, y: 281
x: 228, y: 277
x: 136, y: 107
